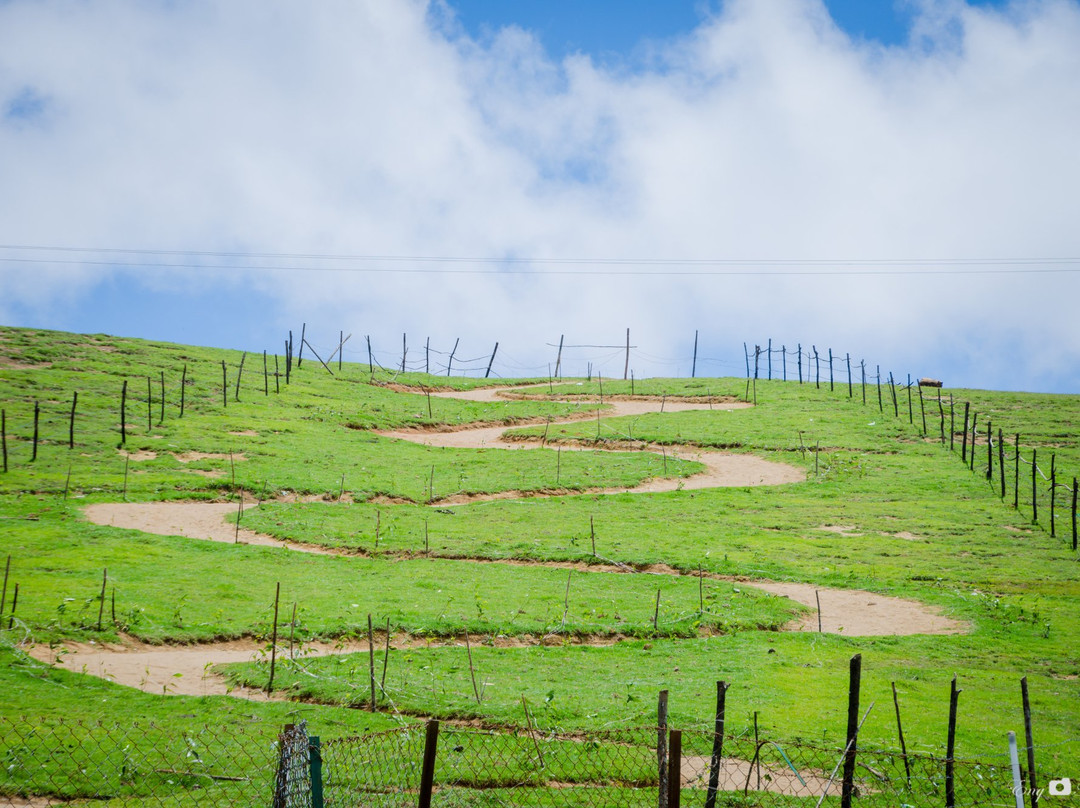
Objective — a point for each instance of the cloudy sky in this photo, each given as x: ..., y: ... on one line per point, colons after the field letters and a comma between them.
x: 897, y: 181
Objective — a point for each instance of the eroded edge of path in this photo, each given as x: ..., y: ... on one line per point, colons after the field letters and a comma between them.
x: 852, y: 612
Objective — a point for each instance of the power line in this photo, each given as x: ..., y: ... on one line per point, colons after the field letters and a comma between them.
x: 1020, y: 268
x: 518, y: 265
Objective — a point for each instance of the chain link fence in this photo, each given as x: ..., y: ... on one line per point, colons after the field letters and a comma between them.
x: 50, y: 761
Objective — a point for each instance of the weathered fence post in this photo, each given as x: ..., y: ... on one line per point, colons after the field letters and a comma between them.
x: 71, y: 421
x: 273, y: 641
x: 900, y: 732
x: 963, y: 439
x: 950, y: 792
x: 450, y: 361
x: 1034, y: 487
x: 718, y: 746
x: 427, y: 773
x: 37, y: 416
x: 492, y: 360
x: 693, y: 362
x: 1032, y: 780
x: 675, y: 769
x: 123, y: 414
x: 661, y: 747
x: 315, y: 768
x: 855, y: 676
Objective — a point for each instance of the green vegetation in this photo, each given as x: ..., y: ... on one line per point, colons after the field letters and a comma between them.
x: 887, y: 507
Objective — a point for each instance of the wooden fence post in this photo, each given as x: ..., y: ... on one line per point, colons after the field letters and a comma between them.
x: 1034, y: 488
x: 900, y: 732
x: 626, y: 367
x: 1001, y: 461
x: 693, y: 362
x: 675, y: 769
x: 974, y: 433
x: 1016, y: 475
x: 831, y: 388
x: 1074, y: 513
x: 123, y: 414
x: 300, y: 356
x: 71, y: 421
x: 492, y: 360
x: 963, y: 437
x: 847, y: 358
x: 558, y: 356
x: 427, y: 773
x: 855, y: 676
x: 450, y: 361
x: 661, y: 747
x: 37, y: 417
x: 950, y: 792
x: 315, y: 770
x: 1053, y: 493
x: 718, y: 745
x: 273, y: 641
x: 1028, y: 738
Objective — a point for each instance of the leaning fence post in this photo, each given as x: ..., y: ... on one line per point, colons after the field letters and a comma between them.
x: 315, y: 766
x: 427, y: 774
x: 900, y: 731
x: 950, y: 792
x: 675, y: 769
x: 718, y: 746
x: 855, y: 676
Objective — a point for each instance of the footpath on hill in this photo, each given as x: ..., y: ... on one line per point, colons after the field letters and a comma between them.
x: 187, y: 669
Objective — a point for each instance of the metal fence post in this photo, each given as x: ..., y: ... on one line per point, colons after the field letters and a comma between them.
x: 427, y: 775
x: 315, y: 764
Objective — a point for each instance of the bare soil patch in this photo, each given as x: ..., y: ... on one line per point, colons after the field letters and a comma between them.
x: 192, y: 457
x: 851, y: 612
x: 140, y: 455
x: 735, y: 774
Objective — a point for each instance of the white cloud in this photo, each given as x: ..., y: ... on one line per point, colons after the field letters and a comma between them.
x: 380, y: 129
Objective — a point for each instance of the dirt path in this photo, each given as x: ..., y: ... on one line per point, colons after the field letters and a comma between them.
x: 722, y: 469
x: 186, y: 669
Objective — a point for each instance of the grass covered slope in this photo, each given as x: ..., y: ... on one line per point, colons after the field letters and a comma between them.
x: 886, y: 507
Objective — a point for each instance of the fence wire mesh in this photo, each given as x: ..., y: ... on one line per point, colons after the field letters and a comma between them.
x: 50, y: 761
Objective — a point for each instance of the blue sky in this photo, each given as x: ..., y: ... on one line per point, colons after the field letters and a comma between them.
x: 893, y: 180
x: 617, y: 28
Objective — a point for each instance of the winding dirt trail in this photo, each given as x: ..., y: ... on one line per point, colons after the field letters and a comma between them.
x: 187, y: 669
x: 722, y: 469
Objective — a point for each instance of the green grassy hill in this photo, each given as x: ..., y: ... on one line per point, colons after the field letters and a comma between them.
x: 887, y: 506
